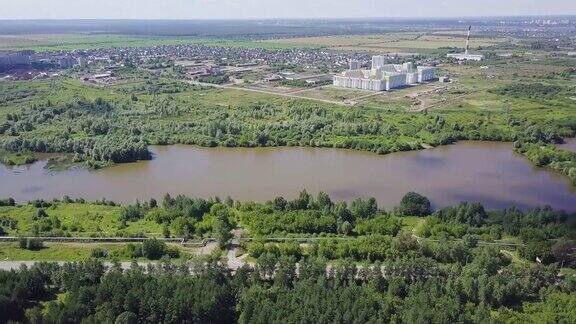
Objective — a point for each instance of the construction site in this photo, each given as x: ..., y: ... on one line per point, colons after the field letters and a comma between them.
x: 383, y: 77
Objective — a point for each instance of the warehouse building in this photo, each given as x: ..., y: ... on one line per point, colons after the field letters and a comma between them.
x: 466, y: 56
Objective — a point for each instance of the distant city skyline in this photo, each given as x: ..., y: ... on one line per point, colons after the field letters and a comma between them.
x: 282, y: 9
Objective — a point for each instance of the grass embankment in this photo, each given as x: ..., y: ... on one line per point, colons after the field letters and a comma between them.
x: 17, y: 158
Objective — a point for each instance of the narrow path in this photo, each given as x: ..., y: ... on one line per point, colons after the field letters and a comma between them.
x: 287, y: 95
x: 233, y: 262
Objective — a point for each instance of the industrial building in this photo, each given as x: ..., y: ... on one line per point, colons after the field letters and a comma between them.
x: 382, y: 76
x: 466, y: 56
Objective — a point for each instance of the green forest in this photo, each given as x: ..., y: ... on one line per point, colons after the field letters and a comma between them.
x: 309, y: 258
x: 487, y: 289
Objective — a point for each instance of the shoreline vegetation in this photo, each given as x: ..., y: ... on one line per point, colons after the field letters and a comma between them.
x: 542, y: 155
x: 499, y: 265
x: 96, y: 128
x: 550, y: 157
x: 307, y: 216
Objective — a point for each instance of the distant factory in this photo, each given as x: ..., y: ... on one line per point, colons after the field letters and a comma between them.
x: 382, y: 76
x: 466, y: 56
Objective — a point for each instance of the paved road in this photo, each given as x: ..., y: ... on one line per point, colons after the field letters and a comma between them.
x: 15, y: 265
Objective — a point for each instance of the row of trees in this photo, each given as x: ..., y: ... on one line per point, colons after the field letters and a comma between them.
x: 419, y: 290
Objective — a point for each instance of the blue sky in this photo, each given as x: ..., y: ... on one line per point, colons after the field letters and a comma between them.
x: 244, y: 9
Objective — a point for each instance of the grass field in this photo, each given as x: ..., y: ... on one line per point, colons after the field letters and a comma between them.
x: 74, y: 252
x: 66, y: 42
x: 80, y: 220
x: 397, y: 42
x: 401, y: 41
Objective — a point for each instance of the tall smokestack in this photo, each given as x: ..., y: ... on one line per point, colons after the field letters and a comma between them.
x: 468, y: 39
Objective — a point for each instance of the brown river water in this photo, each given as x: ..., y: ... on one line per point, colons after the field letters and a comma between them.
x: 489, y: 173
x: 569, y: 145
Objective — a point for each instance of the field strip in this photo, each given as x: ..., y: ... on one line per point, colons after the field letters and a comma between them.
x: 286, y: 95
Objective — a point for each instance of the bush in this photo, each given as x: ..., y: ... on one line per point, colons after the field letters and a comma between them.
x: 173, y: 252
x: 40, y: 213
x: 153, y: 249
x: 133, y: 251
x: 532, y: 90
x: 126, y: 318
x: 31, y: 243
x: 99, y: 253
x: 131, y: 213
x: 414, y: 204
x: 7, y: 202
x: 534, y: 251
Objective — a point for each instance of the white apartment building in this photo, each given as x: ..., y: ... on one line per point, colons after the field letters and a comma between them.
x: 426, y: 73
x: 360, y: 83
x: 354, y: 65
x: 382, y: 76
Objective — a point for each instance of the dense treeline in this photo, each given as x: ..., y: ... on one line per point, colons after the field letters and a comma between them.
x: 532, y: 90
x: 411, y: 290
x: 157, y: 87
x: 166, y: 294
x: 214, y: 79
x: 308, y: 215
x: 94, y: 119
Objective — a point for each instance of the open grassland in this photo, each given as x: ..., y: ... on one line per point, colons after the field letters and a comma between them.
x: 69, y: 252
x: 347, y: 40
x: 67, y: 42
x: 53, y: 251
x: 401, y: 42
x: 330, y: 92
x: 77, y: 220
